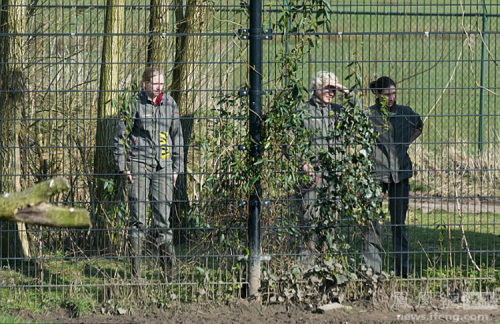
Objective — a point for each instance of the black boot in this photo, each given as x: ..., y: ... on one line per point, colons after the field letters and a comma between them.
x: 168, y: 261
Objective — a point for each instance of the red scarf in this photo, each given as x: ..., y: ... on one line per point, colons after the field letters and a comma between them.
x: 158, y: 99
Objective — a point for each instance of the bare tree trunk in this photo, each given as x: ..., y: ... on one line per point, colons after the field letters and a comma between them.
x: 190, y: 20
x: 107, y: 113
x: 13, y: 21
x: 158, y: 24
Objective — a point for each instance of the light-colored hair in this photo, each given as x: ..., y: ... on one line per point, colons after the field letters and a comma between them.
x: 320, y: 79
x: 150, y: 73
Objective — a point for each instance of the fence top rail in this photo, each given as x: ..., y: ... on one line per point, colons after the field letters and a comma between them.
x: 333, y: 9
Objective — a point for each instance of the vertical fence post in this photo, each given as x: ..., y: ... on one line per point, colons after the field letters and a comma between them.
x: 483, y: 75
x: 255, y: 115
x: 287, y: 38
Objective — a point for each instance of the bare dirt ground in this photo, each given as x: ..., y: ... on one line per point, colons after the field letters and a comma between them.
x: 246, y: 312
x: 243, y: 311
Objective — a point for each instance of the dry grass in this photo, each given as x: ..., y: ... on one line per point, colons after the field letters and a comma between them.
x: 451, y: 172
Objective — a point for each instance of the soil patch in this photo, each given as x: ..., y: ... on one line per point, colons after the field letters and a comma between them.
x: 246, y: 312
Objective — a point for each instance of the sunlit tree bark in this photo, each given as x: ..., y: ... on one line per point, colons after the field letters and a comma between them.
x: 12, y: 102
x: 158, y: 25
x: 190, y: 17
x: 107, y: 111
x: 190, y: 20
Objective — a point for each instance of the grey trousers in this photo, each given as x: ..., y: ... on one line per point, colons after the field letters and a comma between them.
x: 398, y: 207
x: 308, y: 211
x: 154, y: 185
x: 303, y: 206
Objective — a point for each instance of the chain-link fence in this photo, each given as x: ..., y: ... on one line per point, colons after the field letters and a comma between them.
x: 71, y: 73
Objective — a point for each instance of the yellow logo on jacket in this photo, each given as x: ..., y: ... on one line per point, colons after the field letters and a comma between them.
x: 165, y: 152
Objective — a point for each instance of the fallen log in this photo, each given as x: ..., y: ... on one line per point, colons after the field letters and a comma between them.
x: 31, y: 206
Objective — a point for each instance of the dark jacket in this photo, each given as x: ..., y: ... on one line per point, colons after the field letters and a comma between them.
x: 390, y: 152
x: 150, y: 133
x: 320, y: 121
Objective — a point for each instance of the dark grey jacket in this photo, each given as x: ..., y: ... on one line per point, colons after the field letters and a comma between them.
x: 320, y: 122
x: 149, y: 133
x: 390, y: 152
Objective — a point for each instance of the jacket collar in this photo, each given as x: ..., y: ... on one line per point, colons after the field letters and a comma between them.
x: 145, y: 99
x: 316, y: 102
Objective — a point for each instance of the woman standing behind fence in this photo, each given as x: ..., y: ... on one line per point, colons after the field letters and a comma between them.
x: 321, y: 112
x: 398, y: 126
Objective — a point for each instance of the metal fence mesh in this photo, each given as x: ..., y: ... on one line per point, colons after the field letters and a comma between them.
x: 439, y: 53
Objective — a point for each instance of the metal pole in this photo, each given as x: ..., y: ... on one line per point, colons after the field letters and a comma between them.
x: 483, y: 76
x: 287, y: 38
x: 255, y: 117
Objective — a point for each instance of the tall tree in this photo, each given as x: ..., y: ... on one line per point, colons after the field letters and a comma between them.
x: 107, y: 110
x: 190, y: 20
x: 158, y: 25
x: 13, y: 83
